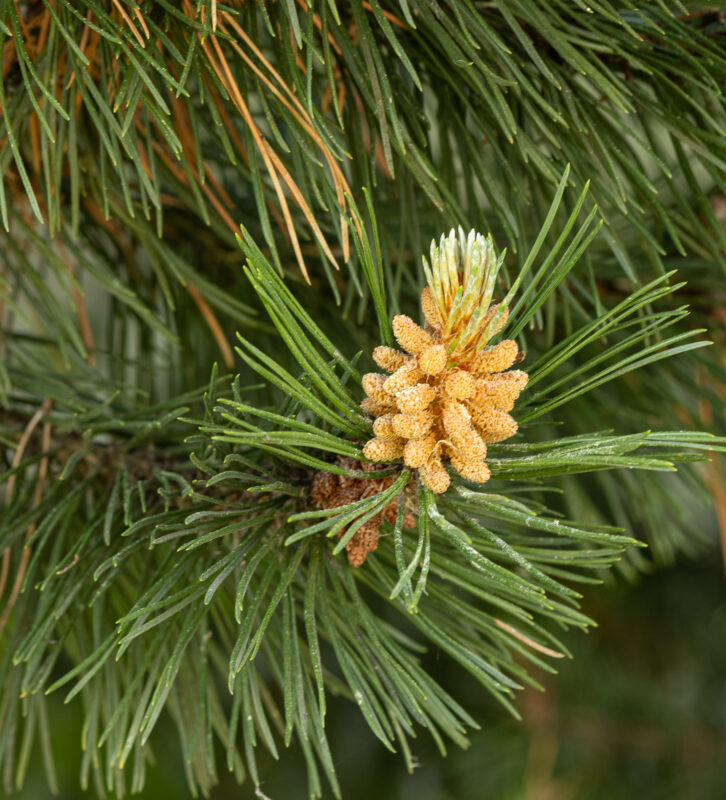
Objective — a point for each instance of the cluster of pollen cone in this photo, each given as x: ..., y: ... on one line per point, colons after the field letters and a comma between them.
x: 449, y: 392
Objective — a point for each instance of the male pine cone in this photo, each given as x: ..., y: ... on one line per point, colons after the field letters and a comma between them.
x: 448, y: 394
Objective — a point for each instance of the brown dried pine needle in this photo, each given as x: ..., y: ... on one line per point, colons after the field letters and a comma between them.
x: 449, y: 393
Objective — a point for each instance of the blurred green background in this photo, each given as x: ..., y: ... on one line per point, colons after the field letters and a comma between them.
x: 639, y: 712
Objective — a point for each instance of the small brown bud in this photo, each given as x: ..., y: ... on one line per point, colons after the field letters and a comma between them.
x: 347, y: 492
x: 368, y: 532
x: 357, y: 551
x: 412, y: 338
x: 390, y: 512
x: 324, y: 484
x: 348, y: 462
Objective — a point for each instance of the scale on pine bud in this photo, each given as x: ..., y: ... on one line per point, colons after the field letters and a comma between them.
x: 449, y: 393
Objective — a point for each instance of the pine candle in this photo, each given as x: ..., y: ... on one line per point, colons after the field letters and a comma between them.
x: 449, y: 392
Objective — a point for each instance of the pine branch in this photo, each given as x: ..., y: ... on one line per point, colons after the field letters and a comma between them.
x: 240, y: 582
x: 165, y: 548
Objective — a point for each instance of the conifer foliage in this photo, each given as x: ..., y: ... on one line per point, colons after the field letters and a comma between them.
x: 214, y: 217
